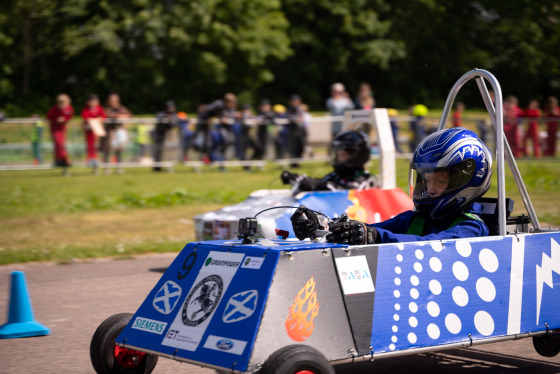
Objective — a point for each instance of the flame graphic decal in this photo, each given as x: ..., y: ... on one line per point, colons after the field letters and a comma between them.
x: 299, y: 324
x: 356, y: 211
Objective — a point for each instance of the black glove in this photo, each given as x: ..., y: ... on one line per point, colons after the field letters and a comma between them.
x: 351, y: 232
x: 311, y: 184
x: 305, y: 222
x: 288, y: 177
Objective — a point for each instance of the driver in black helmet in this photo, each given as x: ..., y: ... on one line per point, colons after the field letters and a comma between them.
x: 351, y: 153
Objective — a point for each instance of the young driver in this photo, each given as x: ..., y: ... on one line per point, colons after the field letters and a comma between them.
x: 450, y: 169
x: 351, y: 153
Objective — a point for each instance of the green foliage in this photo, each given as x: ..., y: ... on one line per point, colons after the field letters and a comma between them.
x: 411, y: 51
x: 44, y: 216
x: 129, y: 200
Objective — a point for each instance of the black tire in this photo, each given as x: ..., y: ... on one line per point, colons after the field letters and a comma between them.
x: 295, y: 358
x: 102, y: 348
x: 547, y: 345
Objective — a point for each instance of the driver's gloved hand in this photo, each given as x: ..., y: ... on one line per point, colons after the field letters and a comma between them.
x: 311, y: 184
x: 351, y: 232
x: 305, y: 222
x: 288, y: 177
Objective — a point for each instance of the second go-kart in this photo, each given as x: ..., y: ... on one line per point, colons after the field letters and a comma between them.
x: 282, y: 306
x: 366, y: 204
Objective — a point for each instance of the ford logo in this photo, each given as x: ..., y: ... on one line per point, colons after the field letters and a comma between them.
x: 224, y: 344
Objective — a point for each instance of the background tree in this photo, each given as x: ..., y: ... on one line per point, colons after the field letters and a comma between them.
x: 411, y: 51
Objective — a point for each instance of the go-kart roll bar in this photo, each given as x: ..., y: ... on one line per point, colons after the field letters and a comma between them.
x: 511, y: 160
x: 496, y: 114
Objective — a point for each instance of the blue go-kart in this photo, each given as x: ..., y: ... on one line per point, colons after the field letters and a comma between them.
x: 286, y: 307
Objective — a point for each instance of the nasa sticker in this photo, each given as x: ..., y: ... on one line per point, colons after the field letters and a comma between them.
x: 202, y: 300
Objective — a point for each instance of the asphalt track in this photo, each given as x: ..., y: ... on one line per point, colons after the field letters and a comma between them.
x: 73, y: 299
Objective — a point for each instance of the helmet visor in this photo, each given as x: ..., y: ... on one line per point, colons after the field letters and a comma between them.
x: 428, y: 183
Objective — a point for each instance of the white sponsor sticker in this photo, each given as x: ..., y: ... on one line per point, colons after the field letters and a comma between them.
x: 228, y: 345
x: 354, y: 275
x: 240, y: 306
x: 252, y: 262
x: 202, y: 300
x: 149, y: 325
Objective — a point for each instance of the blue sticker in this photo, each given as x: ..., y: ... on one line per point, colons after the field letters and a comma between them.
x: 538, y: 301
x: 436, y: 294
x: 167, y: 296
x: 240, y: 306
x: 206, y: 307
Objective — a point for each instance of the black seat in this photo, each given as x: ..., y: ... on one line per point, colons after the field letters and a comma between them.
x: 489, y: 212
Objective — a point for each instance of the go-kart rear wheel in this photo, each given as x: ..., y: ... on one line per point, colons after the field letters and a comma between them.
x: 547, y: 345
x: 297, y: 359
x: 108, y: 358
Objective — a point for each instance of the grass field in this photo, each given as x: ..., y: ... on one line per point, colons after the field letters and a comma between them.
x: 45, y: 216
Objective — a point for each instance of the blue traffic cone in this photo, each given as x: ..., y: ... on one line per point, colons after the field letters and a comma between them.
x: 20, y: 314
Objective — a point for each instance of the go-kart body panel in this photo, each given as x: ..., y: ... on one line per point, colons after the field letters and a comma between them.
x: 375, y: 300
x: 216, y: 326
x: 369, y: 205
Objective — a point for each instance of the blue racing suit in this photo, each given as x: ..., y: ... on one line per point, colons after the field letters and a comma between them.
x: 463, y: 225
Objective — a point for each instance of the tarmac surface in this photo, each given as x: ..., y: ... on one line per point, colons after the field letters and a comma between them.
x: 74, y: 299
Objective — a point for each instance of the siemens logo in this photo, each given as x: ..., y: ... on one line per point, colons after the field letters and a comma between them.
x: 149, y: 325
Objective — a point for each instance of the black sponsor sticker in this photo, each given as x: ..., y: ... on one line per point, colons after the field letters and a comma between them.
x: 202, y: 300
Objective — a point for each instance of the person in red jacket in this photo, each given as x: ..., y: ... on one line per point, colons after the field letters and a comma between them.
x: 532, y: 111
x: 458, y: 115
x: 92, y: 111
x: 552, y: 111
x: 58, y: 116
x: 512, y: 112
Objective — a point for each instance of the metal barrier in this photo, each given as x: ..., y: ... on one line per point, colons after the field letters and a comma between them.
x: 16, y: 149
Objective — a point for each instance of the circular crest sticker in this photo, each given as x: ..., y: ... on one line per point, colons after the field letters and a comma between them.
x: 202, y: 300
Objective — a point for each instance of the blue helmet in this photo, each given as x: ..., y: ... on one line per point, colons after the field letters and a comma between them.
x: 449, y: 169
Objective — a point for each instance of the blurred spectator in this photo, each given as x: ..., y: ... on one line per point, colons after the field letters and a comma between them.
x: 306, y: 121
x: 201, y: 138
x: 58, y: 116
x: 281, y: 121
x: 367, y: 103
x: 119, y: 138
x: 458, y: 114
x: 551, y: 110
x: 295, y: 128
x: 394, y: 128
x: 2, y: 116
x: 482, y: 127
x: 93, y: 117
x: 36, y: 137
x: 512, y: 112
x: 532, y: 111
x: 113, y: 112
x: 166, y: 120
x: 417, y: 125
x: 364, y: 98
x: 492, y: 96
x: 248, y: 124
x: 185, y: 134
x: 141, y: 134
x: 226, y: 112
x: 337, y: 104
x: 265, y: 118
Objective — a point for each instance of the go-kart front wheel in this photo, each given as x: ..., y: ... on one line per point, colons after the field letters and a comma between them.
x: 108, y: 358
x: 297, y: 359
x: 547, y: 345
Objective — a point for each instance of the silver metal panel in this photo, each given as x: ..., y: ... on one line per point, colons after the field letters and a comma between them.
x: 311, y: 277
